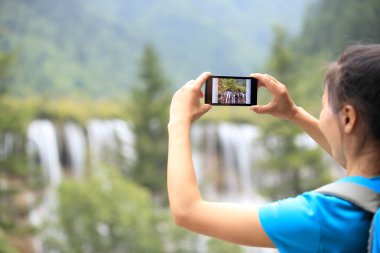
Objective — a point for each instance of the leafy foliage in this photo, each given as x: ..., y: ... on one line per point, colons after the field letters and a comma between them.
x: 5, y: 247
x: 332, y: 25
x: 6, y: 61
x: 232, y: 85
x: 294, y: 168
x: 106, y: 213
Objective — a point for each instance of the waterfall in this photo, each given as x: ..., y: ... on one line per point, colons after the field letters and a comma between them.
x: 225, y: 157
x: 224, y: 154
x: 76, y: 149
x: 125, y: 135
x: 239, y: 155
x: 8, y: 144
x: 110, y: 139
x: 205, y: 142
x: 43, y: 145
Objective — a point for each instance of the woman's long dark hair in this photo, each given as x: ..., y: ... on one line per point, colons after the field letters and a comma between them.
x: 355, y: 79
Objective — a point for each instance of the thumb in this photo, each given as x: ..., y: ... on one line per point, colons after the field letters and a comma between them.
x: 206, y: 108
x: 261, y: 109
x: 202, y: 110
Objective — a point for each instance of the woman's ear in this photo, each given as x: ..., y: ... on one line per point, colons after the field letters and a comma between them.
x: 348, y: 117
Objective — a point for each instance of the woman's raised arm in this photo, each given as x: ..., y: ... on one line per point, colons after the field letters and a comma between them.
x: 231, y: 222
x: 282, y: 106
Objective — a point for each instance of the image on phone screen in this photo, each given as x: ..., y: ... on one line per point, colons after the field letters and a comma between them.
x: 228, y: 90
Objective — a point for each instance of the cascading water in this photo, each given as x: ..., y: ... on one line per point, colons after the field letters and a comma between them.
x: 240, y: 153
x: 42, y: 146
x: 76, y: 148
x: 126, y: 138
x: 8, y: 144
x: 101, y: 141
x: 108, y: 139
x: 225, y: 157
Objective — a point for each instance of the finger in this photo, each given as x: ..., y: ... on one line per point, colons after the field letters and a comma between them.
x: 263, y: 79
x: 206, y: 107
x: 270, y: 83
x: 266, y: 80
x: 259, y: 83
x: 189, y: 83
x: 260, y: 109
x: 258, y: 76
x: 203, y: 109
x: 273, y: 79
x: 201, y: 79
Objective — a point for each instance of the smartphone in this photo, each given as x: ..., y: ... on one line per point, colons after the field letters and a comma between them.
x: 231, y: 91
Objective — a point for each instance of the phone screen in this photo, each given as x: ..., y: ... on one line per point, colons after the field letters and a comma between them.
x: 231, y: 90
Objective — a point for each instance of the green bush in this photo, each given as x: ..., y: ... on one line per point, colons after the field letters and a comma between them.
x: 105, y: 213
x: 5, y: 246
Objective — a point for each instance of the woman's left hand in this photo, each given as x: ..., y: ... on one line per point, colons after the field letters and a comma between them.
x: 186, y: 107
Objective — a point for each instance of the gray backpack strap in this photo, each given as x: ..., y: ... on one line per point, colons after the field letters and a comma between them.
x: 370, y: 238
x: 356, y: 194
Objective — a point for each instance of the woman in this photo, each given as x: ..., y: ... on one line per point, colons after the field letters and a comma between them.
x: 348, y: 129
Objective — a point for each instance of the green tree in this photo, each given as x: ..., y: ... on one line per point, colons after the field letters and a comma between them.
x: 323, y: 32
x: 7, y: 60
x: 149, y: 109
x: 296, y: 168
x: 105, y: 213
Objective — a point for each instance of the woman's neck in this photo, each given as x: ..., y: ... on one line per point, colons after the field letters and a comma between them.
x: 366, y: 164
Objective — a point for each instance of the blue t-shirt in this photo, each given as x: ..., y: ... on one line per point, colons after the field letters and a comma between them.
x: 314, y: 222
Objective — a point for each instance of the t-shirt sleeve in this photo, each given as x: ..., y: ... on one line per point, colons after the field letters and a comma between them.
x: 292, y: 224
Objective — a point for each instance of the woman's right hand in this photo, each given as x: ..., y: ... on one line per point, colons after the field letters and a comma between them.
x: 282, y: 105
x: 185, y: 107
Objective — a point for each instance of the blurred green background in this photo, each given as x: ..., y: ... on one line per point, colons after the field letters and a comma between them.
x: 85, y: 89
